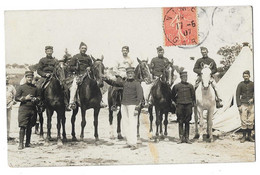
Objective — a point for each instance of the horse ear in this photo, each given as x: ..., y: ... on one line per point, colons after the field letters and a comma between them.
x: 102, y: 58
x: 211, y: 65
x: 139, y: 61
x: 147, y: 60
x: 172, y: 61
x: 202, y: 65
x: 93, y: 58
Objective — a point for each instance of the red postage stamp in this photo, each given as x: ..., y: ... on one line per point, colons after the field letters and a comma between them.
x: 180, y: 26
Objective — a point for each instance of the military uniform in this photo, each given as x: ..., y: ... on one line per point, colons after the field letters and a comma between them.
x: 79, y: 63
x: 46, y: 65
x: 27, y: 111
x: 132, y: 96
x: 197, y: 69
x: 158, y: 65
x: 245, y: 103
x: 183, y: 94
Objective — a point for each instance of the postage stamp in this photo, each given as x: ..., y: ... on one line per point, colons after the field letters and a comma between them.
x: 180, y: 26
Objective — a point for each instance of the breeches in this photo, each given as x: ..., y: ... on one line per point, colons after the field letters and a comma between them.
x: 184, y: 112
x: 247, y: 116
x: 27, y: 116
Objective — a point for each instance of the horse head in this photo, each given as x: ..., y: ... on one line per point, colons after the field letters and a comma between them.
x: 98, y: 70
x: 142, y: 71
x: 206, y: 75
x: 170, y: 73
x: 59, y: 72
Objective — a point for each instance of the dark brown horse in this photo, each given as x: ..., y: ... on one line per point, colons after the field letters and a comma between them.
x: 89, y: 97
x: 54, y: 101
x: 161, y: 100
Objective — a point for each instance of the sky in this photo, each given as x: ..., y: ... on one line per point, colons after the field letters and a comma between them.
x: 105, y: 31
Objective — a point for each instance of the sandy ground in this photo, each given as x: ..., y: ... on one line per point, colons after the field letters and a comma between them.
x: 111, y: 152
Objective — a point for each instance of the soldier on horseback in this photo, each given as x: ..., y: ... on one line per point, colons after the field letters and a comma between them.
x: 80, y: 64
x: 120, y: 73
x: 45, y: 69
x: 197, y: 69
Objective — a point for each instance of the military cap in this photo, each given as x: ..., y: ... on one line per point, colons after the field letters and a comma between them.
x: 28, y: 73
x: 159, y: 48
x: 48, y: 47
x: 130, y: 69
x: 203, y: 48
x: 82, y: 44
x: 183, y: 73
x: 125, y: 47
x: 246, y: 72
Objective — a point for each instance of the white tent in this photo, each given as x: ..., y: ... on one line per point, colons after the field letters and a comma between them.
x: 227, y: 118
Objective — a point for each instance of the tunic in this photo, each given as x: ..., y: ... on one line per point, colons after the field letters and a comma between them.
x: 46, y: 65
x: 244, y: 92
x: 27, y: 110
x: 84, y: 61
x: 132, y: 91
x: 184, y: 95
x: 197, y: 67
x: 158, y: 65
x: 120, y: 68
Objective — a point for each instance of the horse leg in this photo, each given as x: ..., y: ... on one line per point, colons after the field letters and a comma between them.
x: 157, y: 124
x: 161, y: 119
x: 197, y: 135
x: 119, y: 117
x: 83, y: 123
x: 165, y: 125
x: 73, y: 119
x: 111, y: 132
x: 150, y: 110
x: 59, y: 142
x: 63, y: 122
x: 96, y: 112
x: 201, y: 124
x: 209, y: 124
x: 41, y: 124
x: 49, y: 115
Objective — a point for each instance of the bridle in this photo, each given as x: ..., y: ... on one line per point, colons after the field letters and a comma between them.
x: 140, y: 72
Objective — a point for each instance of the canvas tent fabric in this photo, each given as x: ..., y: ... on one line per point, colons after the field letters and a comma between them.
x: 227, y: 118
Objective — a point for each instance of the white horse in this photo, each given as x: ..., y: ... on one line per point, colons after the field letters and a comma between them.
x: 205, y: 101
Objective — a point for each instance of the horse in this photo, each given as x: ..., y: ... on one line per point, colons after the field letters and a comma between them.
x: 142, y: 74
x: 90, y: 96
x: 161, y: 100
x: 54, y: 101
x: 205, y: 101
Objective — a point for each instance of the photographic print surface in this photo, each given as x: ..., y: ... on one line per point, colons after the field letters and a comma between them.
x: 162, y: 85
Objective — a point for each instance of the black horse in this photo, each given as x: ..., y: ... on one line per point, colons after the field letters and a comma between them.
x: 142, y: 74
x: 161, y: 100
x: 53, y: 97
x: 89, y: 97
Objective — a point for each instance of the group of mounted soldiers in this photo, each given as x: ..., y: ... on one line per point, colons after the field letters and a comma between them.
x: 183, y: 93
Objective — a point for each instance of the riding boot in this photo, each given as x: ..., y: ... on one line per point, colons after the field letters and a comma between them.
x: 181, y: 133
x: 102, y: 104
x: 187, y: 133
x: 66, y: 100
x: 218, y: 100
x: 250, y: 138
x: 28, y: 137
x: 243, y: 139
x: 21, y: 138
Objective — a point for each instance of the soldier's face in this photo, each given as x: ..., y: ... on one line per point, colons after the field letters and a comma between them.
x: 49, y: 52
x: 130, y: 75
x: 83, y: 49
x: 246, y: 77
x: 125, y: 52
x: 204, y: 53
x: 184, y: 78
x: 160, y: 53
x: 29, y: 79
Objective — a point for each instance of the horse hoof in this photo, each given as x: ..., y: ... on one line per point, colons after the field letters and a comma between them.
x: 166, y: 139
x: 74, y: 139
x: 120, y: 137
x: 81, y: 139
x: 41, y: 137
x: 139, y: 141
x: 65, y: 139
x: 197, y: 136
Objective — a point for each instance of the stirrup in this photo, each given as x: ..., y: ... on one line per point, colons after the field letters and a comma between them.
x: 218, y: 104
